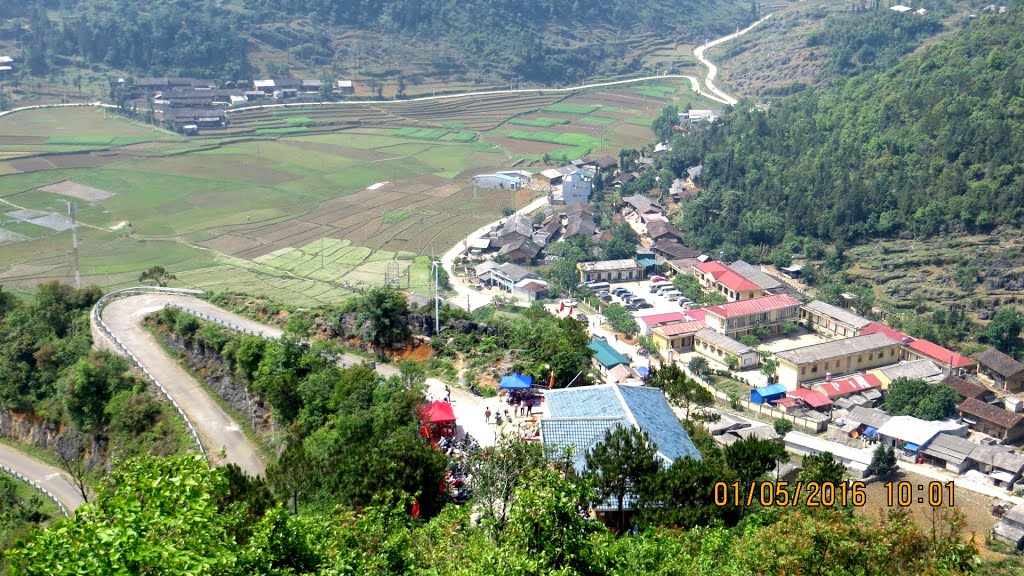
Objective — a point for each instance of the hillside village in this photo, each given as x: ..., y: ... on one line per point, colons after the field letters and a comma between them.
x: 770, y: 349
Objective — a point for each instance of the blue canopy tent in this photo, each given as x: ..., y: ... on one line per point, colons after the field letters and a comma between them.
x: 516, y: 382
x: 643, y: 371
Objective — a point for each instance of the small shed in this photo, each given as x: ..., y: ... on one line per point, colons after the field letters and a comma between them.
x: 768, y: 393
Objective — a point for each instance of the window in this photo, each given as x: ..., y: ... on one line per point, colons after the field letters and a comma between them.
x: 871, y: 355
x: 859, y: 358
x: 837, y: 363
x: 892, y: 352
x: 814, y: 370
x: 803, y: 369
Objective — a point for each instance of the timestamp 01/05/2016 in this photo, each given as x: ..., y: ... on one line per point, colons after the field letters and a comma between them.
x: 828, y: 494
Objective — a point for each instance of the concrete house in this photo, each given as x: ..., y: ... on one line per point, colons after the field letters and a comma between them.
x: 717, y: 277
x: 576, y: 188
x: 950, y: 452
x: 1000, y: 371
x: 677, y: 336
x: 1010, y: 528
x: 719, y: 347
x: 736, y: 319
x: 951, y: 362
x: 610, y: 271
x: 836, y: 357
x: 496, y: 182
x: 830, y: 320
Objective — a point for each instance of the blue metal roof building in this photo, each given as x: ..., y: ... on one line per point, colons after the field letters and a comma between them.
x: 768, y: 393
x: 580, y: 417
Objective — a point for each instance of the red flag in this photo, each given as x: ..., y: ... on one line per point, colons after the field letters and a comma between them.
x: 570, y: 310
x: 415, y: 508
x: 561, y: 306
x: 551, y: 382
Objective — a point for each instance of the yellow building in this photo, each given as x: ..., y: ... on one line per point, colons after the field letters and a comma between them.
x: 831, y: 320
x: 676, y: 336
x: 837, y: 357
x: 735, y: 319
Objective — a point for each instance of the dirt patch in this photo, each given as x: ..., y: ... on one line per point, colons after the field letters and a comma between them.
x: 230, y: 244
x: 80, y: 191
x: 32, y: 164
x: 82, y: 160
x: 515, y: 146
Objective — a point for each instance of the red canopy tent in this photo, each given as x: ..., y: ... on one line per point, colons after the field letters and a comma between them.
x: 438, y: 412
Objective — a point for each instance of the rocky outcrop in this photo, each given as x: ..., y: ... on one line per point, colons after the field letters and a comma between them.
x: 213, y: 371
x: 29, y: 428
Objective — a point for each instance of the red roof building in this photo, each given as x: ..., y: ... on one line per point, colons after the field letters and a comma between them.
x: 677, y: 335
x: 649, y: 321
x: 717, y: 277
x: 850, y: 385
x: 812, y: 398
x: 735, y: 319
x: 925, y: 350
x: 875, y: 328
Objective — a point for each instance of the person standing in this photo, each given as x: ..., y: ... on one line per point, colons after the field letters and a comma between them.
x: 487, y: 415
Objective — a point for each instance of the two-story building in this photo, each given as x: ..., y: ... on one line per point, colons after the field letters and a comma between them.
x: 576, y: 188
x: 677, y: 336
x: 830, y: 320
x: 717, y: 277
x: 745, y: 316
x: 836, y: 357
x: 625, y: 270
x: 719, y: 347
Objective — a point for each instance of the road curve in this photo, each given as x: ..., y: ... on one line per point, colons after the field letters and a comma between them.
x: 217, y: 431
x: 709, y: 80
x: 43, y: 475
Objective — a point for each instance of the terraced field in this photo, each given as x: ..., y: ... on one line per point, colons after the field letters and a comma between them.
x: 302, y: 204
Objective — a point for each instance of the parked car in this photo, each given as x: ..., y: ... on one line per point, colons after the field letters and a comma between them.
x: 582, y: 317
x: 569, y: 302
x: 625, y: 295
x: 672, y: 294
x: 618, y: 291
x: 606, y: 298
x: 630, y: 307
x: 644, y: 304
x: 655, y: 286
x: 659, y: 279
x: 683, y: 300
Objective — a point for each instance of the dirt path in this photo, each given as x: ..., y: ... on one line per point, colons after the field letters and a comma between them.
x: 709, y: 80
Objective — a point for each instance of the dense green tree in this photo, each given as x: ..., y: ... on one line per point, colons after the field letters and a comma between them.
x: 918, y: 398
x: 622, y: 244
x: 751, y: 458
x: 156, y: 275
x: 684, y: 494
x: 682, y: 390
x: 90, y: 384
x: 150, y: 516
x: 664, y: 125
x: 620, y: 319
x: 621, y: 464
x: 500, y: 475
x: 380, y: 316
x: 697, y: 365
x: 822, y: 468
x: 782, y: 426
x: 883, y: 461
x: 1004, y: 330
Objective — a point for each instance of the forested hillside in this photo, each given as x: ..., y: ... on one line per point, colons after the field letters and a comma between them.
x: 546, y: 41
x: 933, y: 145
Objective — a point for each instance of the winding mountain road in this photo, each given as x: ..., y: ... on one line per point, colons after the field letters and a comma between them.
x: 709, y: 80
x: 42, y: 475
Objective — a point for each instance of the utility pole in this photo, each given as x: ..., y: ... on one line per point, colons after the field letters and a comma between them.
x: 437, y: 306
x: 74, y: 243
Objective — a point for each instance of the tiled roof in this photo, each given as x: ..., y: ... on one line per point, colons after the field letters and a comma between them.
x: 812, y: 398
x: 965, y: 388
x: 876, y: 328
x: 606, y: 355
x: 752, y: 306
x: 579, y: 433
x: 921, y: 369
x: 939, y: 354
x: 949, y: 448
x: 868, y: 416
x: 990, y: 413
x: 851, y: 385
x: 727, y: 277
x: 754, y: 274
x: 1002, y: 457
x: 515, y: 272
x: 1000, y: 363
x: 722, y: 341
x: 660, y: 228
x: 639, y: 406
x: 837, y: 313
x: 664, y: 318
x: 678, y: 328
x: 673, y: 250
x: 834, y: 348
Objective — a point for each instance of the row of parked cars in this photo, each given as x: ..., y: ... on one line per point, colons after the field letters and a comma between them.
x: 628, y: 299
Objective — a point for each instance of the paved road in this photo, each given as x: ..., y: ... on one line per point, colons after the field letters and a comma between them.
x: 709, y: 80
x: 462, y: 290
x: 217, y: 431
x: 42, y: 474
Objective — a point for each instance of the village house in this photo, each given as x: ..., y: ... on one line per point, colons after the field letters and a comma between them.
x: 1010, y: 528
x: 951, y: 362
x: 837, y: 388
x: 677, y: 336
x: 344, y: 87
x: 642, y: 204
x: 829, y: 320
x: 579, y: 221
x: 856, y: 460
x: 662, y: 230
x: 546, y: 178
x: 717, y: 277
x: 719, y: 347
x: 1000, y: 371
x: 623, y: 179
x: 1002, y: 464
x: 992, y: 420
x: 672, y: 250
x: 520, y: 249
x: 908, y: 434
x: 625, y: 270
x: 496, y: 182
x: 836, y: 357
x: 606, y: 358
x: 576, y: 188
x: 950, y: 452
x: 915, y: 370
x: 515, y: 280
x: 581, y: 416
x: 742, y: 317
x: 967, y: 389
x: 648, y: 322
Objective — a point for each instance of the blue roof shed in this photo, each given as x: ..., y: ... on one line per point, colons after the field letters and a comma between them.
x: 768, y: 393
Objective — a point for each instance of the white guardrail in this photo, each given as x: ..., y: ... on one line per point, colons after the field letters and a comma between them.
x: 221, y: 321
x: 35, y: 485
x: 97, y: 312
